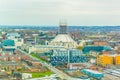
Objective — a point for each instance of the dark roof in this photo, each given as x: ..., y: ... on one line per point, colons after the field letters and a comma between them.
x: 87, y: 49
x: 0, y: 45
x: 8, y: 42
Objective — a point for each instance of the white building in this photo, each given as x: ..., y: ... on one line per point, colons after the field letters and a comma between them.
x: 17, y: 39
x: 18, y: 42
x: 63, y: 40
x: 26, y: 76
x: 43, y: 48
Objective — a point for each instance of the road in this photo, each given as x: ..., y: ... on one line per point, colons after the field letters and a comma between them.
x: 61, y: 74
x: 110, y: 77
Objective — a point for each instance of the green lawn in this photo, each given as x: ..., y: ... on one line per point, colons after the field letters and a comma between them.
x: 40, y: 74
x: 34, y: 55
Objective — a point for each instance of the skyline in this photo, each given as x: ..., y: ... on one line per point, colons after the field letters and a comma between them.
x: 49, y: 12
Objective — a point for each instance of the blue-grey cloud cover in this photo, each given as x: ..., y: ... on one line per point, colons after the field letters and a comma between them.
x: 48, y: 12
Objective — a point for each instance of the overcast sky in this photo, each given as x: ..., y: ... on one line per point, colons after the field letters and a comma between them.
x: 49, y: 12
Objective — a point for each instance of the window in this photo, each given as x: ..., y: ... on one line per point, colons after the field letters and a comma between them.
x: 19, y: 40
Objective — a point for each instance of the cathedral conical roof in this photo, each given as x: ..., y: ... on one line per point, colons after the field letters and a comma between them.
x: 63, y: 38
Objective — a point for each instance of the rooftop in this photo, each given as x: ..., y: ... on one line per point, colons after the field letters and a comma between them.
x: 63, y: 38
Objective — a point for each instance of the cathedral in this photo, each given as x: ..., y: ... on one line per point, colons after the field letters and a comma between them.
x: 63, y: 39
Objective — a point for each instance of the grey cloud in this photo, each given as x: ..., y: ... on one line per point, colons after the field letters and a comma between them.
x: 27, y: 11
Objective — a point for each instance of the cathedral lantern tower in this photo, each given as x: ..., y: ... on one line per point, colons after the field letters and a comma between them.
x: 63, y: 28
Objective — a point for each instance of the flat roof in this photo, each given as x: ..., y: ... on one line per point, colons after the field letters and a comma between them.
x: 92, y: 71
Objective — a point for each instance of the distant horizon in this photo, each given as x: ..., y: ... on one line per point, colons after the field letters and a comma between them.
x: 58, y: 25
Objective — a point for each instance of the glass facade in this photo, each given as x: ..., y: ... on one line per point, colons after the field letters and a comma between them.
x: 61, y: 57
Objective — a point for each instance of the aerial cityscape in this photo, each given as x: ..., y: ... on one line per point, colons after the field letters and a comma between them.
x: 59, y: 40
x: 60, y: 53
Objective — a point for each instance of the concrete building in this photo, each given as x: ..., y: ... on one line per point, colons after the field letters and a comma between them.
x: 43, y: 48
x: 76, y: 65
x: 18, y: 42
x: 100, y: 43
x: 12, y: 35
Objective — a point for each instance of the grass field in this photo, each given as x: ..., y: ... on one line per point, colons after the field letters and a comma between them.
x: 41, y: 74
x: 34, y: 55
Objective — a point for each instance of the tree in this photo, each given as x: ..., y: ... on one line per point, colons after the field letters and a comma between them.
x: 19, y: 69
x: 80, y: 47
